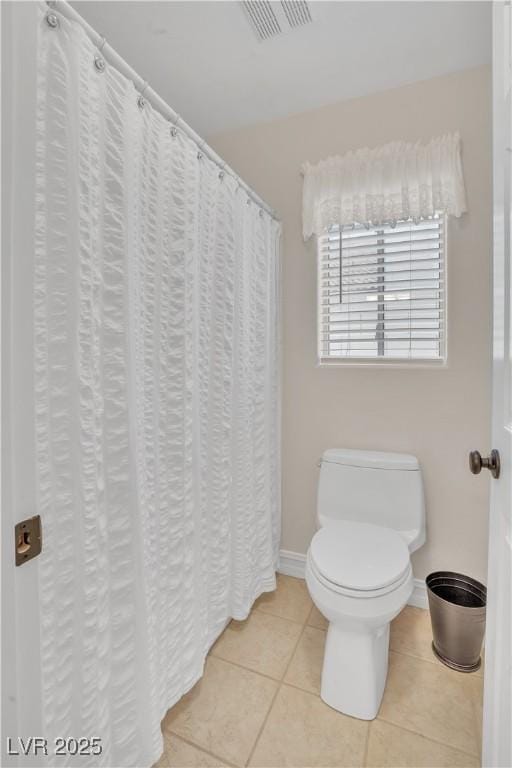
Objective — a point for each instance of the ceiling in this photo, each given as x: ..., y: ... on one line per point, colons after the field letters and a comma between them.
x: 206, y: 61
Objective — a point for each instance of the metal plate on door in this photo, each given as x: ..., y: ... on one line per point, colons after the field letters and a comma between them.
x: 27, y: 539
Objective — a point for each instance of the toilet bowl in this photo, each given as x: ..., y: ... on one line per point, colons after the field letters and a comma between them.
x: 358, y: 568
x: 359, y: 603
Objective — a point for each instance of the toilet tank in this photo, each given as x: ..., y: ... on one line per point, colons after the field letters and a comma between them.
x: 373, y: 487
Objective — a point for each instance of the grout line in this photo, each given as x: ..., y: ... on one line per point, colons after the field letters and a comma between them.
x: 428, y: 738
x: 302, y: 624
x: 249, y: 669
x: 478, y: 675
x: 477, y: 708
x: 304, y: 690
x: 275, y: 696
x: 286, y: 684
x: 367, y: 744
x: 260, y: 730
x: 221, y: 760
x: 410, y: 655
x: 293, y: 652
x: 275, y: 616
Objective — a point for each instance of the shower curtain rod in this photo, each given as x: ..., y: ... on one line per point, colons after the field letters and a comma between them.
x: 106, y: 50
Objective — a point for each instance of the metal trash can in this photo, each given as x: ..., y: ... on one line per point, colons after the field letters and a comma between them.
x: 457, y: 612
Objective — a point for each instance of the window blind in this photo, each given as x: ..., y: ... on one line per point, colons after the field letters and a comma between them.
x: 382, y: 292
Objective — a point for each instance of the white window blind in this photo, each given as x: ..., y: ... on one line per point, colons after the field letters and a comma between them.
x: 382, y: 292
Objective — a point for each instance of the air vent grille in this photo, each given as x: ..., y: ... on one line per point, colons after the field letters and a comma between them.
x: 297, y: 12
x: 269, y: 19
x: 262, y: 18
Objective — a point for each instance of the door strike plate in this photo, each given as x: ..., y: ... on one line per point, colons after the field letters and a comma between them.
x: 27, y: 539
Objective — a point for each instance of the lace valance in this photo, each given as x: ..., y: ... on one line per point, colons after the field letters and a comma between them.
x: 385, y: 184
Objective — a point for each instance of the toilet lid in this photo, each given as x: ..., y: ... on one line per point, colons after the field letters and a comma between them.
x: 359, y: 556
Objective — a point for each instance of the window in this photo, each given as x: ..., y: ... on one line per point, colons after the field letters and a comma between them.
x: 382, y: 293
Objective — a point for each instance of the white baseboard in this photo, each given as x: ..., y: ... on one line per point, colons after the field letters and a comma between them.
x: 294, y: 564
x: 419, y: 595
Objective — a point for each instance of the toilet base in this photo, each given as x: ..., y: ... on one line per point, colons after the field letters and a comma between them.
x: 355, y: 670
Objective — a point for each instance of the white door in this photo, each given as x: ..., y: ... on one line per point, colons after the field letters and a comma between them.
x: 21, y: 669
x: 497, y: 727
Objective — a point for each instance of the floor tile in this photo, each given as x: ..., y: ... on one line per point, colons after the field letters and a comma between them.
x: 263, y: 643
x: 305, y: 670
x: 315, y: 619
x: 291, y: 600
x: 303, y: 731
x: 411, y: 633
x: 224, y: 711
x: 431, y: 700
x: 392, y: 747
x: 179, y: 754
x: 477, y: 691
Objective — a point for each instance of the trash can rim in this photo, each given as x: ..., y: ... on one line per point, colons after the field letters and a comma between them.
x: 463, y: 579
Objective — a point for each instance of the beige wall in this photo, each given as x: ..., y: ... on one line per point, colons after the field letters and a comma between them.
x: 439, y: 415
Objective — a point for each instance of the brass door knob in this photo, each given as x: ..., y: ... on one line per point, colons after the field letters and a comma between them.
x: 492, y: 463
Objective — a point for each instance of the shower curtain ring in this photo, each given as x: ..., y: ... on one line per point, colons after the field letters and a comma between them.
x: 52, y: 20
x: 174, y: 128
x: 99, y: 61
x: 222, y: 172
x: 141, y: 101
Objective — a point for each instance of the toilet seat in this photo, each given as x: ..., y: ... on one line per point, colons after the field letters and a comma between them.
x: 359, y: 559
x: 356, y: 593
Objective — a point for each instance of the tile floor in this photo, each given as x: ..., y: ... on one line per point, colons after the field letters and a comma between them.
x: 258, y: 703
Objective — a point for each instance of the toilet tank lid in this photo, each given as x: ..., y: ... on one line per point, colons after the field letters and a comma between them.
x: 370, y: 459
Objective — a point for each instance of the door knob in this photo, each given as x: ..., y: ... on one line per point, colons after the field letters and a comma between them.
x: 491, y: 463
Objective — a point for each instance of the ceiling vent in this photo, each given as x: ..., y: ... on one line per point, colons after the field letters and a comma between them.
x: 269, y: 19
x: 297, y: 12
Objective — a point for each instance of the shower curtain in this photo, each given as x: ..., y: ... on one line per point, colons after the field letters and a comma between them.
x: 156, y: 397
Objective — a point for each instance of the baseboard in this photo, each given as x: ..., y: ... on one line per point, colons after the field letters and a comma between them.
x: 294, y: 564
x: 419, y: 595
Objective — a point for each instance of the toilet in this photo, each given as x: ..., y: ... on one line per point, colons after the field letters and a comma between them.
x: 370, y: 517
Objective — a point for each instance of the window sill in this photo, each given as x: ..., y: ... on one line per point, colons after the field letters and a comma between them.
x: 388, y: 363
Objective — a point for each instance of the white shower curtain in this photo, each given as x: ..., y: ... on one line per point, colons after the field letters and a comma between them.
x: 156, y: 396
